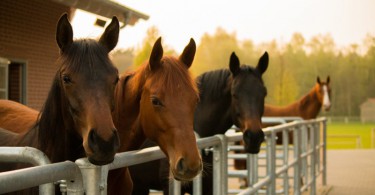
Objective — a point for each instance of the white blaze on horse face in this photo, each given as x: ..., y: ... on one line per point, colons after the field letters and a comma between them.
x: 326, y: 101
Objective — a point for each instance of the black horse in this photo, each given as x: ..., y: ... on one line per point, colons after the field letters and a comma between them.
x: 227, y: 97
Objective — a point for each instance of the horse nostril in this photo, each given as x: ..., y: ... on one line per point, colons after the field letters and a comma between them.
x: 93, y: 139
x: 181, y: 166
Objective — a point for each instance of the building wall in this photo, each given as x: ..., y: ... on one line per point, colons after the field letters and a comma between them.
x: 27, y: 34
x: 368, y: 111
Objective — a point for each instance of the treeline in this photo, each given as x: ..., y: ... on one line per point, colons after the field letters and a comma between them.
x: 294, y: 66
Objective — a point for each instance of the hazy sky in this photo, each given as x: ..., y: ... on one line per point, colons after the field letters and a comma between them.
x: 348, y: 21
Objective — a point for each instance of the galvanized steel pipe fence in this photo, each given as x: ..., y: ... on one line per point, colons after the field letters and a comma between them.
x: 307, y: 163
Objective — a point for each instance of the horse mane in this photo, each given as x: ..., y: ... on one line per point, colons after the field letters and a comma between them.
x: 55, y: 122
x: 215, y: 84
x: 82, y: 55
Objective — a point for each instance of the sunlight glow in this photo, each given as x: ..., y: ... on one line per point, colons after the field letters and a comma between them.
x: 348, y: 21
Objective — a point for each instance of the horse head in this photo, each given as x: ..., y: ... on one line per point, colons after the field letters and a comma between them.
x: 248, y: 93
x: 87, y: 79
x: 167, y: 106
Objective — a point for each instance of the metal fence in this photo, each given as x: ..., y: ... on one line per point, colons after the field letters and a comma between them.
x: 307, y: 163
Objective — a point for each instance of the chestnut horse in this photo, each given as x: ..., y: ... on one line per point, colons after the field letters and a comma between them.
x: 75, y: 120
x: 157, y: 101
x: 227, y: 97
x: 308, y: 106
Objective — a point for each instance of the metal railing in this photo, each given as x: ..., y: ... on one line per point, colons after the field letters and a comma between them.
x: 308, y: 162
x: 43, y: 174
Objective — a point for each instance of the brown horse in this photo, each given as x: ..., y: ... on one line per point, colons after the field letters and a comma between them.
x: 158, y: 101
x: 76, y: 118
x: 308, y: 106
x: 17, y: 117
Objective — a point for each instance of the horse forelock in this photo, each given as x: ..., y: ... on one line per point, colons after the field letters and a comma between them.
x: 86, y: 56
x: 170, y: 77
x: 252, y: 71
x: 174, y: 76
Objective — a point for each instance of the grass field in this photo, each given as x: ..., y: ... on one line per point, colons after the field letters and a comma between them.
x: 350, y: 135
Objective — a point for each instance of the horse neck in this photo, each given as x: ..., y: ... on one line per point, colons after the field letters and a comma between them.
x: 126, y: 112
x: 310, y: 105
x: 213, y: 115
x: 307, y: 107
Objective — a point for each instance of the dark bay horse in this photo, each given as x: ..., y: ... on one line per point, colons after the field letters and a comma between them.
x: 157, y: 101
x: 233, y: 96
x: 75, y: 120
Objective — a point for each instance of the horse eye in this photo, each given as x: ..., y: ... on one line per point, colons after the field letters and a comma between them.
x: 156, y: 102
x: 67, y: 79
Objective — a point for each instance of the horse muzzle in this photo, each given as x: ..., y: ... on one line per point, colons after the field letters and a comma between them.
x: 253, y: 141
x: 102, y: 151
x: 185, y: 172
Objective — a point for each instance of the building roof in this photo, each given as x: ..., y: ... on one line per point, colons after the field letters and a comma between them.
x: 106, y: 8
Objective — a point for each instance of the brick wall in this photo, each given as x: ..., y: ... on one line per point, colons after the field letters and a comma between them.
x: 27, y: 33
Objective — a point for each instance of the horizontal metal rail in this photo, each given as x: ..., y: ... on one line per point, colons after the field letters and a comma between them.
x: 29, y: 177
x: 308, y: 161
x: 27, y: 155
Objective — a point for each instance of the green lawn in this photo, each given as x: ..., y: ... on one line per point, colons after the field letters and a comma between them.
x: 350, y: 135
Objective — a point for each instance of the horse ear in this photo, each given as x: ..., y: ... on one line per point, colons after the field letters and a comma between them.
x: 156, y: 55
x: 318, y: 80
x: 188, y: 54
x: 263, y: 63
x: 234, y: 64
x: 109, y: 38
x: 64, y: 33
x: 328, y: 80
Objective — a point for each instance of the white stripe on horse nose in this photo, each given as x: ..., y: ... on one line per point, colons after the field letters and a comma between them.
x: 326, y: 102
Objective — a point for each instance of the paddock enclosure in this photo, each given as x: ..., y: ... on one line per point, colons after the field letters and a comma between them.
x: 277, y: 169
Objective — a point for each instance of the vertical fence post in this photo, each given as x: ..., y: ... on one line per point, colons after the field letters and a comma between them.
x: 312, y: 159
x: 285, y: 160
x: 197, y: 185
x: 252, y: 169
x: 175, y: 187
x: 304, y: 149
x: 297, y: 157
x: 271, y: 163
x: 318, y: 145
x: 220, y: 163
x: 324, y: 178
x: 94, y: 177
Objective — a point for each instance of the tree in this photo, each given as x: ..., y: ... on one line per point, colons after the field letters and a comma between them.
x: 213, y: 51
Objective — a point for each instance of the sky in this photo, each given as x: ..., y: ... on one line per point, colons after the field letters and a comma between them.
x: 348, y: 21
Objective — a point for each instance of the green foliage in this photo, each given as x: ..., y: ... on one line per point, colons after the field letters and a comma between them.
x: 214, y: 51
x: 143, y: 54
